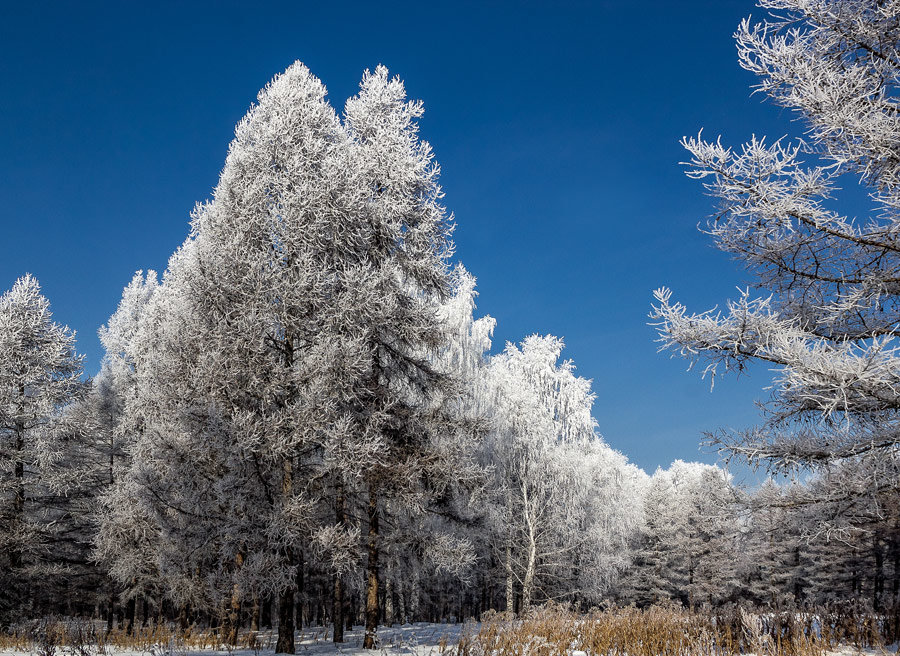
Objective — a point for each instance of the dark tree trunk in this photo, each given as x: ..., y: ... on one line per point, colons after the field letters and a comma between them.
x: 184, y: 618
x: 301, y: 592
x: 130, y: 613
x: 338, y: 613
x: 266, y: 613
x: 254, y: 615
x: 110, y: 612
x: 878, y: 583
x: 798, y: 579
x: 233, y: 617
x: 372, y: 607
x: 285, y: 644
x: 233, y: 612
x: 15, y: 553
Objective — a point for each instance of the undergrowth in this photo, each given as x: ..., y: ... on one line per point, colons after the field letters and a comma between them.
x: 550, y: 630
x: 672, y: 631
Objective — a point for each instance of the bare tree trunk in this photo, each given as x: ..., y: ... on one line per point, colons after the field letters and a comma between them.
x: 265, y: 615
x: 895, y: 583
x: 254, y: 615
x: 285, y: 644
x: 510, y: 591
x: 528, y: 579
x: 234, y: 616
x: 301, y: 593
x: 531, y: 561
x: 338, y: 612
x: 15, y: 552
x: 110, y: 611
x: 183, y: 618
x: 253, y: 635
x: 388, y: 603
x: 401, y: 602
x: 878, y: 583
x: 372, y: 608
x: 130, y: 616
x: 340, y: 515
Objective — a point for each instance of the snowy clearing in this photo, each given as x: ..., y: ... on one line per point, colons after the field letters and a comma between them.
x: 420, y: 638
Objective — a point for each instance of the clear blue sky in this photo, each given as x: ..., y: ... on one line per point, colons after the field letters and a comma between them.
x: 556, y: 125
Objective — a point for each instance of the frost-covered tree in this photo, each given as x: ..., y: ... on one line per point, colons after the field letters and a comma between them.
x: 250, y: 290
x: 289, y: 361
x: 102, y: 422
x: 438, y: 547
x: 564, y: 503
x: 607, y: 511
x: 146, y: 515
x: 848, y: 546
x: 827, y: 311
x: 113, y: 390
x: 400, y: 266
x: 792, y: 551
x: 39, y: 374
x: 687, y: 546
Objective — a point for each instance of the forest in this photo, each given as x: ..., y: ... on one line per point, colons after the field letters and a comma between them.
x: 304, y: 421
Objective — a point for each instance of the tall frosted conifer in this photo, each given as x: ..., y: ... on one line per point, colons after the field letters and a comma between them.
x: 39, y: 373
x: 230, y: 402
x: 103, y: 422
x: 291, y: 344
x: 403, y: 270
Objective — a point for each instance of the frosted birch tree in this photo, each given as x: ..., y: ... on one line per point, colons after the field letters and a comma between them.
x: 825, y: 313
x: 565, y: 503
x: 39, y: 374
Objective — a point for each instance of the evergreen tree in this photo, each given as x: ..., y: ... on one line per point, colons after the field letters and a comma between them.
x: 827, y: 312
x: 290, y: 354
x: 39, y: 375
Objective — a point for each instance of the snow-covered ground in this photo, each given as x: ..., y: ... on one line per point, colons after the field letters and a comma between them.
x: 419, y: 639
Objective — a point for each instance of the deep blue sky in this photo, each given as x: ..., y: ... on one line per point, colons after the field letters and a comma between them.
x: 556, y: 125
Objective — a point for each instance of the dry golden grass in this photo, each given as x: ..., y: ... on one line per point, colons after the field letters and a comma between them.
x: 47, y: 637
x: 550, y: 630
x: 663, y: 631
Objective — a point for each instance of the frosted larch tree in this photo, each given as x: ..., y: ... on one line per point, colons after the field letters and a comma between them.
x: 290, y: 352
x: 826, y: 314
x: 39, y: 374
x: 402, y: 276
x: 102, y: 420
x: 686, y: 551
x: 231, y: 376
